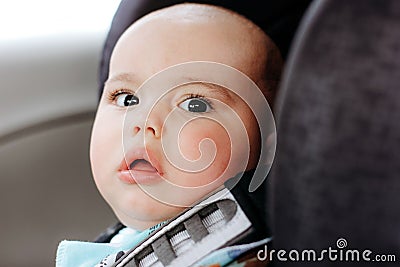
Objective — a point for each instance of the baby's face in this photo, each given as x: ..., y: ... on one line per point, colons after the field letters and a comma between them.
x: 142, y: 143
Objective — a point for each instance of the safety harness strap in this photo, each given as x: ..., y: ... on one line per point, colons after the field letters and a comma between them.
x: 213, y: 223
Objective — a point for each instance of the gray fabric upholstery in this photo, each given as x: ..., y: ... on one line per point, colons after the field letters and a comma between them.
x: 337, y: 169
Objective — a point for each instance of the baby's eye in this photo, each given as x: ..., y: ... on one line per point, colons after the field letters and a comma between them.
x: 195, y: 105
x: 126, y: 99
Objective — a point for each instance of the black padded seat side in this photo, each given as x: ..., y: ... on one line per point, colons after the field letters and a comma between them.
x: 336, y: 172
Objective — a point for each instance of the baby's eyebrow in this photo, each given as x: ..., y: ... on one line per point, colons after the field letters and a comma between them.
x: 217, y: 89
x: 128, y: 77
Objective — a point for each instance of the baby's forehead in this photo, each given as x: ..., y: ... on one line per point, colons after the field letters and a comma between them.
x: 207, y: 16
x: 232, y: 39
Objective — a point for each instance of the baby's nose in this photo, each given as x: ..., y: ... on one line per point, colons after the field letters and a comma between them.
x: 152, y: 126
x: 149, y: 119
x: 150, y: 129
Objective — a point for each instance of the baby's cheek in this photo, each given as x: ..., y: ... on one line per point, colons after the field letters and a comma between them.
x: 105, y: 145
x: 204, y: 138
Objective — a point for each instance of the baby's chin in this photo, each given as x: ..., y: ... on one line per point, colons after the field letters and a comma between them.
x: 145, y: 220
x: 140, y: 211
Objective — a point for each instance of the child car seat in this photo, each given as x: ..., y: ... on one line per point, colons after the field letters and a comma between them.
x: 335, y: 179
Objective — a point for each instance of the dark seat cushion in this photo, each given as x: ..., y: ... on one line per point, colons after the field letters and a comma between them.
x: 336, y: 170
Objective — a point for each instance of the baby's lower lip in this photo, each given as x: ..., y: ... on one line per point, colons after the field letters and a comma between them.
x: 139, y: 177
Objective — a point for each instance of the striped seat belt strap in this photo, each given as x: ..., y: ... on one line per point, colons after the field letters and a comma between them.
x: 213, y: 223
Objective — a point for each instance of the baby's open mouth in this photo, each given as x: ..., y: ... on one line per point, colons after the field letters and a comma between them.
x: 142, y: 165
x: 138, y: 167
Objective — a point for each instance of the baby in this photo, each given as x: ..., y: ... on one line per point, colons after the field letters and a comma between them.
x: 157, y: 149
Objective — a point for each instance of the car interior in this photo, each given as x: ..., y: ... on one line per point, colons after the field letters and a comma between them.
x: 335, y: 172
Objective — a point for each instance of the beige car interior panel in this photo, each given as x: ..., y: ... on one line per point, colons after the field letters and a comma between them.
x: 47, y: 106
